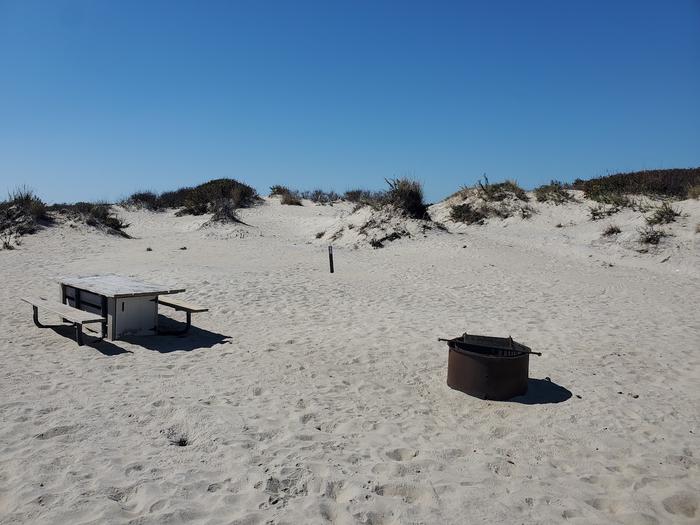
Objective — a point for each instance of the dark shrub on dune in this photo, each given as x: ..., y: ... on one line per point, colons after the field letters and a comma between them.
x: 98, y: 215
x: 664, y: 214
x: 650, y: 235
x: 365, y: 197
x: 406, y: 195
x: 22, y: 212
x: 653, y: 183
x: 197, y: 200
x: 467, y: 214
x: 611, y: 230
x: 501, y: 191
x: 288, y: 197
x: 144, y: 199
x: 320, y: 197
x: 554, y: 192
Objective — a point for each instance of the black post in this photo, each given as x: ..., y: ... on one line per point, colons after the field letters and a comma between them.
x: 330, y: 257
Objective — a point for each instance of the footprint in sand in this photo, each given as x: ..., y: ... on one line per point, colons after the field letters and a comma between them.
x: 57, y: 431
x: 685, y: 504
x: 402, y: 454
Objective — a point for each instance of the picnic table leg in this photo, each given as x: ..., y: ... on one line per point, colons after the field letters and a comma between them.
x: 79, y: 334
x: 36, y: 317
x: 188, y: 324
x: 103, y: 312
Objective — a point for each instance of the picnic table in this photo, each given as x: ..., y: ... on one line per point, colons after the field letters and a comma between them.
x: 122, y: 305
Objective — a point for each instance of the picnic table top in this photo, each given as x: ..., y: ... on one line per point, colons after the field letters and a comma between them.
x: 111, y: 285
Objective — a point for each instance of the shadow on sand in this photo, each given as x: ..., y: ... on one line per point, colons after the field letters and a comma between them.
x: 542, y: 392
x: 194, y: 339
x: 90, y: 339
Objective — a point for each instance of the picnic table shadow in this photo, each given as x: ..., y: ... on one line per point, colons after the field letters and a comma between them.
x: 194, y: 339
x: 542, y: 392
x: 92, y: 340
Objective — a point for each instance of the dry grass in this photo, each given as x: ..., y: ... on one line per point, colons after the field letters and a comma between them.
x: 611, y: 230
x: 554, y: 192
x: 407, y: 196
x: 467, y: 214
x: 288, y: 197
x: 501, y: 191
x: 650, y: 235
x: 664, y: 214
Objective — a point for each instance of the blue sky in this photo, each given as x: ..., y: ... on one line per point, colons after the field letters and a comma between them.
x: 102, y: 98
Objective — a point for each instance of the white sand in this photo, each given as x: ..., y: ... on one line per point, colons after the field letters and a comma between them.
x: 307, y: 397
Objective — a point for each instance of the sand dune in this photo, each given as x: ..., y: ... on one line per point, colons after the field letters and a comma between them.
x: 306, y: 397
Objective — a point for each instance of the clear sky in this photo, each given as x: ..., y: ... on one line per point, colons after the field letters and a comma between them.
x: 101, y: 98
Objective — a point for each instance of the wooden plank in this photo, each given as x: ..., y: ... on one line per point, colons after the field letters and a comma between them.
x: 111, y: 285
x: 181, y: 305
x: 67, y: 312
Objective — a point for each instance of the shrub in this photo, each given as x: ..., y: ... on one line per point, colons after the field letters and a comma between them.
x: 668, y: 183
x: 467, y: 214
x: 279, y: 190
x: 601, y: 211
x: 501, y: 191
x: 27, y: 202
x: 22, y: 212
x: 225, y: 211
x: 291, y: 199
x: 197, y: 200
x: 320, y: 196
x: 407, y: 196
x: 553, y: 192
x: 664, y: 214
x: 144, y: 200
x: 200, y: 199
x: 174, y: 199
x: 288, y: 197
x: 694, y: 192
x: 611, y: 230
x: 650, y: 235
x: 98, y: 215
x: 365, y: 197
x: 6, y: 240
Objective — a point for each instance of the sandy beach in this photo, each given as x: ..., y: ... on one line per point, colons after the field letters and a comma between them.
x: 309, y: 397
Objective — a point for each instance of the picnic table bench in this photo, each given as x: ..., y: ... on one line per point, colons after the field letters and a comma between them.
x: 181, y: 306
x: 73, y: 315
